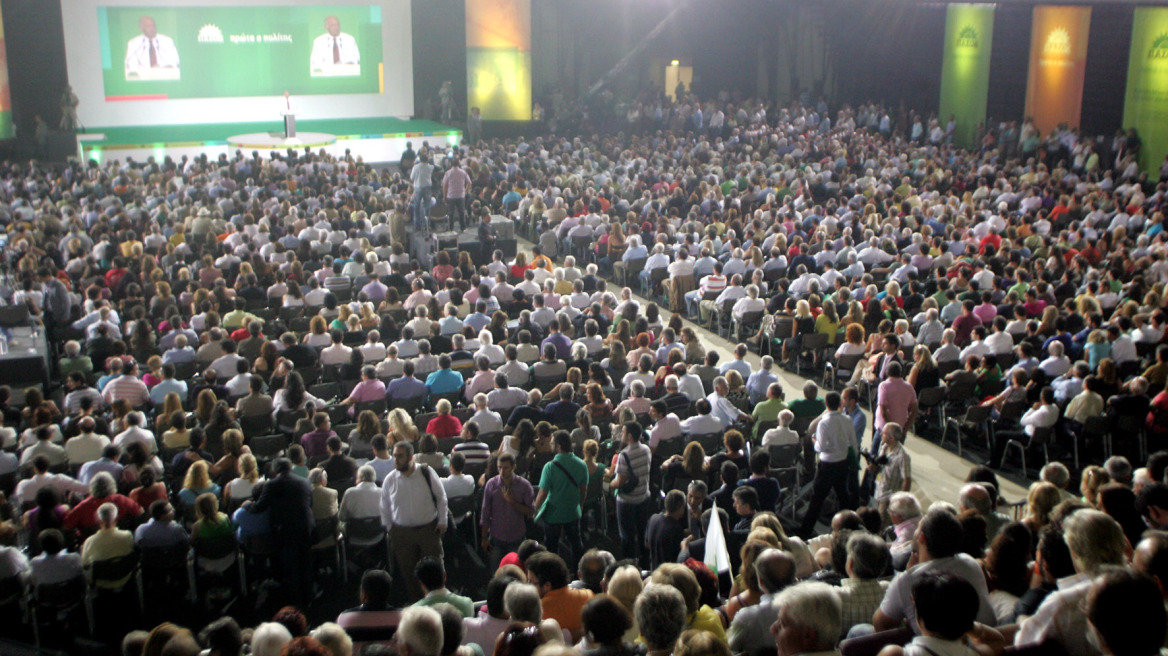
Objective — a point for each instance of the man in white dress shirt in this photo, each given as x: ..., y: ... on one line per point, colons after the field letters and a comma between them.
x: 413, y: 510
x: 150, y: 49
x: 334, y: 47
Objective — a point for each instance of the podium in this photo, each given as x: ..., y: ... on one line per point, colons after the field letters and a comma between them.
x: 289, y: 124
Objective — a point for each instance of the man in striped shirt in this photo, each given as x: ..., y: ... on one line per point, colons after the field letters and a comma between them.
x: 127, y: 386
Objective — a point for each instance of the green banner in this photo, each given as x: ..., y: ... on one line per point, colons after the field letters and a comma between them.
x: 1145, y: 106
x: 965, y: 69
x: 231, y: 52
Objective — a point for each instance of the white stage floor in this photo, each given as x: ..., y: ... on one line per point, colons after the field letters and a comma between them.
x: 276, y: 140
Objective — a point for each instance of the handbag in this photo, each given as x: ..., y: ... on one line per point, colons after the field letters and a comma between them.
x: 629, y: 486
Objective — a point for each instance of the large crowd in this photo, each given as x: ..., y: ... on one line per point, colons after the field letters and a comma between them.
x: 256, y: 369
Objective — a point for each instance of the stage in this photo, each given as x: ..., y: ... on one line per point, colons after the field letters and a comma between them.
x: 373, y: 139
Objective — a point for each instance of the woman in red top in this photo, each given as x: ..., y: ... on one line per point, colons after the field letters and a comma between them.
x: 443, y: 269
x: 519, y: 267
x: 445, y: 424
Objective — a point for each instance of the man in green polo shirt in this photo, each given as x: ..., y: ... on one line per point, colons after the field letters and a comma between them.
x: 768, y: 410
x: 810, y: 406
x: 561, y: 494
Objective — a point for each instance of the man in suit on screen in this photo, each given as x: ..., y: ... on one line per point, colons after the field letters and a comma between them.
x: 333, y: 48
x: 150, y: 50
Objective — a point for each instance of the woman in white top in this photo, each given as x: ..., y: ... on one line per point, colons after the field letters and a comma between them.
x: 241, y: 488
x: 318, y: 333
x: 294, y: 297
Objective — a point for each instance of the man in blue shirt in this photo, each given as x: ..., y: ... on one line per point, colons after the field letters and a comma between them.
x: 480, y: 319
x: 759, y: 381
x: 406, y: 387
x: 168, y: 384
x: 445, y: 380
x: 851, y: 407
x: 559, y: 340
x: 738, y: 364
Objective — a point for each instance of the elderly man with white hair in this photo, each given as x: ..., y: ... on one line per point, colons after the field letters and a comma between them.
x: 1057, y: 363
x: 1096, y: 542
x: 760, y: 381
x: 362, y: 501
x: 635, y: 251
x: 809, y: 619
x: 904, y: 511
x: 658, y: 260
x: 108, y: 542
x: 419, y: 633
x: 747, y: 304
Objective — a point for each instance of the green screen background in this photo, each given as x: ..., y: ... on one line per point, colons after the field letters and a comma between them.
x: 1146, y: 104
x: 232, y: 70
x: 965, y: 69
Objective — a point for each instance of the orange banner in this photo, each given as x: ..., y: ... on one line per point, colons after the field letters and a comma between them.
x: 1058, y: 61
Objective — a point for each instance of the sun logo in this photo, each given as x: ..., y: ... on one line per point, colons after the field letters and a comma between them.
x: 210, y: 34
x: 967, y: 38
x: 1159, y: 49
x: 1058, y: 42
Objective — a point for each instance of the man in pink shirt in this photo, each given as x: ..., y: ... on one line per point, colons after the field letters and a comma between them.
x: 987, y: 311
x: 369, y: 389
x: 896, y: 402
x: 454, y: 186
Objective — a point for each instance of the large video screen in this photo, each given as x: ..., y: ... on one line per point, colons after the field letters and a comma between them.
x: 155, y: 53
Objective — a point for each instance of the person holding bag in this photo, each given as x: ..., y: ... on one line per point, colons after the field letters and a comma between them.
x: 632, y: 500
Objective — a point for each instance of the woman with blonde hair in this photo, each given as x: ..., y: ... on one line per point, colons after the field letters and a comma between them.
x: 197, y: 482
x: 1094, y: 477
x: 1098, y: 347
x: 1046, y: 326
x: 626, y: 585
x: 804, y: 563
x: 240, y: 488
x: 803, y: 324
x: 745, y: 591
x: 924, y: 372
x: 1040, y: 502
x: 171, y: 403
x: 401, y: 427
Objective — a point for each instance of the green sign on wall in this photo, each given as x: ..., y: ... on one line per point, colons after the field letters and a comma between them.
x: 1145, y: 106
x: 965, y: 68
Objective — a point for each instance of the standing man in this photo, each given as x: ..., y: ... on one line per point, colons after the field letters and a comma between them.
x: 454, y: 187
x: 562, y: 485
x: 632, y: 501
x: 421, y: 178
x: 287, y: 499
x: 413, y: 510
x: 833, y: 434
x: 896, y: 403
x: 507, y: 500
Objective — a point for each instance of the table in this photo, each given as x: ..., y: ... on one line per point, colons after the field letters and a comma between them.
x: 27, y: 360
